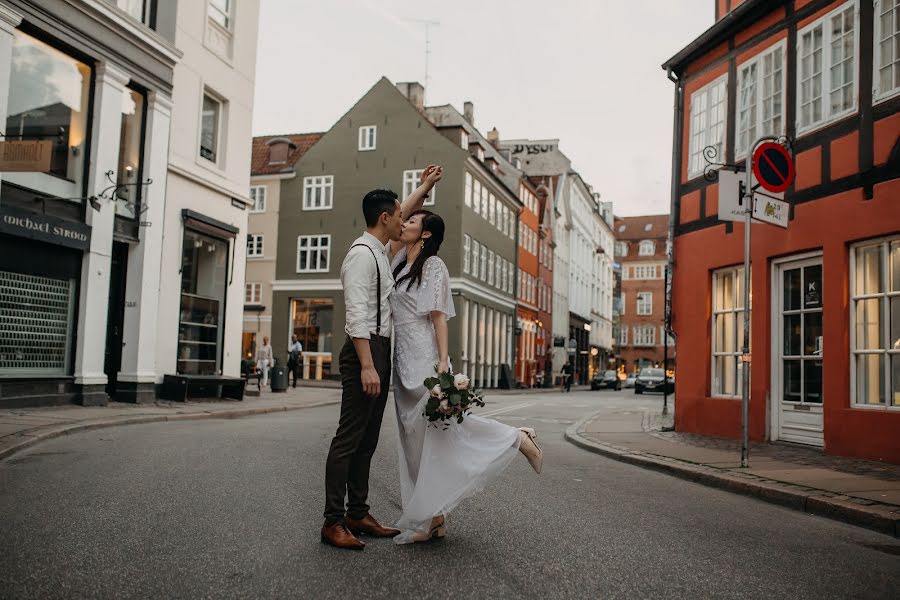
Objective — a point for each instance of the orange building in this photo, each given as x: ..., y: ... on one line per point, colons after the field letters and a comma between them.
x: 527, y: 286
x: 824, y: 330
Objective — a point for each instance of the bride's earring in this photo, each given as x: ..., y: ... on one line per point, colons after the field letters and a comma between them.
x: 423, y: 244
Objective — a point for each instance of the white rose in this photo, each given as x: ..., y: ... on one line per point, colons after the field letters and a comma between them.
x: 444, y: 405
x: 461, y: 381
x: 436, y: 391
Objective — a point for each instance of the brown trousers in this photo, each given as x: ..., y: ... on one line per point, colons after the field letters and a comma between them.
x: 347, y: 469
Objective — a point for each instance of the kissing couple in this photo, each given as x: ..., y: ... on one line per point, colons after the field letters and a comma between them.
x: 395, y: 283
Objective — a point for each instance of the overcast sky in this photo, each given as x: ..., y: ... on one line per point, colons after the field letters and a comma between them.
x: 586, y: 72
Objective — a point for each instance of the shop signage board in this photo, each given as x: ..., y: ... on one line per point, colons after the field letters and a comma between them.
x: 44, y: 228
x: 731, y: 196
x: 25, y: 156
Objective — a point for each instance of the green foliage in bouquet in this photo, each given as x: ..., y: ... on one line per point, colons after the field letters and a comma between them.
x: 451, y: 398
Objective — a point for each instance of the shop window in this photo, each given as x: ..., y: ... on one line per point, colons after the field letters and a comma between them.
x: 35, y: 324
x: 728, y: 331
x: 131, y: 137
x: 48, y: 102
x: 204, y: 268
x: 312, y: 321
x: 875, y: 323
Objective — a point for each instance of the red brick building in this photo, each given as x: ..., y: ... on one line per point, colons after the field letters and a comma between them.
x: 824, y: 333
x: 544, y: 348
x: 641, y: 255
x: 527, y: 286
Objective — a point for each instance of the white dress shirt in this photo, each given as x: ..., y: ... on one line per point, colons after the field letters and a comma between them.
x: 358, y: 278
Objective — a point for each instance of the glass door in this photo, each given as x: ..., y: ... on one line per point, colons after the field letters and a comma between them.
x: 204, y: 269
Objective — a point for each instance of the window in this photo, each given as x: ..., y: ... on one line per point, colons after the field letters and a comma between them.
x: 482, y: 264
x: 648, y: 226
x: 498, y: 272
x: 220, y: 12
x: 254, y: 245
x: 131, y: 138
x: 621, y: 249
x: 49, y: 95
x: 411, y: 181
x: 485, y: 199
x: 647, y: 248
x: 827, y: 68
x: 875, y: 323
x: 645, y: 303
x: 644, y: 335
x: 318, y: 192
x: 492, y: 209
x: 209, y: 128
x: 313, y: 253
x: 204, y: 278
x: 467, y: 250
x: 476, y: 257
x: 367, y: 137
x: 490, y: 267
x: 728, y: 331
x: 137, y: 9
x: 645, y: 272
x: 468, y: 191
x: 887, y: 48
x: 707, y: 126
x: 476, y: 197
x: 623, y: 336
x: 479, y: 152
x: 760, y: 98
x: 253, y: 293
x: 258, y: 196
x: 311, y: 323
x: 464, y: 140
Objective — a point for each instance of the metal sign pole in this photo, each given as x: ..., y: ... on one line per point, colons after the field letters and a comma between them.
x: 745, y: 349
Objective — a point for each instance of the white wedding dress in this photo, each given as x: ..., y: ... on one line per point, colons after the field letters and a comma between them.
x: 438, y: 468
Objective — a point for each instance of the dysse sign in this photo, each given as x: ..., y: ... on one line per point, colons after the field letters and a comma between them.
x: 45, y: 228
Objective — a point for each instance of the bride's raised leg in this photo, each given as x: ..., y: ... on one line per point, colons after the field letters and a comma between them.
x: 529, y: 448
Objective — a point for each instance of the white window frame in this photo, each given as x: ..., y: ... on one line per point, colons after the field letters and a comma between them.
x: 464, y: 140
x: 258, y: 195
x: 325, y: 183
x: 368, y: 137
x: 228, y: 15
x: 737, y: 309
x: 318, y: 248
x: 757, y: 126
x: 498, y: 271
x: 701, y: 137
x: 482, y: 263
x: 476, y: 257
x: 885, y: 296
x: 828, y: 117
x: 644, y: 336
x: 622, y: 339
x: 467, y: 252
x: 647, y: 248
x: 878, y: 94
x: 255, y: 245
x: 220, y: 128
x: 467, y: 198
x: 644, y: 303
x: 476, y: 197
x: 411, y: 179
x: 490, y: 267
x: 252, y: 293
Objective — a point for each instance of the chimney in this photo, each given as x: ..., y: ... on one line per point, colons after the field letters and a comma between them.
x: 493, y: 137
x: 469, y: 112
x: 414, y: 92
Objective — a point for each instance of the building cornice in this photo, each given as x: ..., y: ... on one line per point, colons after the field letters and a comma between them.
x: 9, y: 19
x: 240, y: 197
x: 264, y: 178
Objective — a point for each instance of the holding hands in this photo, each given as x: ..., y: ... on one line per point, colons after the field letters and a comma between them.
x: 431, y: 175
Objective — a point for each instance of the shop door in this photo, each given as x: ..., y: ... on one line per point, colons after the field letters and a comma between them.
x: 797, y: 394
x: 112, y: 363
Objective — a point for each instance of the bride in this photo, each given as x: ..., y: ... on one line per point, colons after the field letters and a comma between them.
x: 438, y: 468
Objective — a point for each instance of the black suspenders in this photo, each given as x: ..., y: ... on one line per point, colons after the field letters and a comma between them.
x: 378, y: 285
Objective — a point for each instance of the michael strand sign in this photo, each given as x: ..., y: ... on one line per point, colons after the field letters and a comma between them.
x: 45, y: 228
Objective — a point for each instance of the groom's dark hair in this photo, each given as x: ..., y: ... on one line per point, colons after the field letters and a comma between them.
x: 376, y: 202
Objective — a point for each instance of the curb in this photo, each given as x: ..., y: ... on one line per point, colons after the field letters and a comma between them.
x: 55, y: 432
x: 879, y: 517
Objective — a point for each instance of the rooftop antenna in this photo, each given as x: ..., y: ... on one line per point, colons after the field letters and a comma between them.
x: 428, y: 24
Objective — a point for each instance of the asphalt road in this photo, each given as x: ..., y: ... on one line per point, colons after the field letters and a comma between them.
x: 232, y: 509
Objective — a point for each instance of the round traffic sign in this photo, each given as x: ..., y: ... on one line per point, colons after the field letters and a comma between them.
x: 773, y: 167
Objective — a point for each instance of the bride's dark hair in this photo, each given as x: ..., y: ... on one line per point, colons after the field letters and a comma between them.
x: 435, y: 225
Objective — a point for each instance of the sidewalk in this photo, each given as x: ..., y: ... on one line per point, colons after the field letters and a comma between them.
x: 23, y: 427
x: 856, y: 491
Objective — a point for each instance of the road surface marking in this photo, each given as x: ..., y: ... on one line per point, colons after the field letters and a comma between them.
x: 497, y: 411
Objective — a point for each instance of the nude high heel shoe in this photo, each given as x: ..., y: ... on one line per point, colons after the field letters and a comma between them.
x: 529, y: 448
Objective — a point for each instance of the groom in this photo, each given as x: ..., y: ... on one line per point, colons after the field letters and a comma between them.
x: 365, y: 365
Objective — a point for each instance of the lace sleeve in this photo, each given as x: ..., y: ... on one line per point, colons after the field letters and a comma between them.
x: 434, y: 292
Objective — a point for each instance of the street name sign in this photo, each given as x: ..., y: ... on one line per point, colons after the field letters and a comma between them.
x: 770, y: 210
x: 773, y: 167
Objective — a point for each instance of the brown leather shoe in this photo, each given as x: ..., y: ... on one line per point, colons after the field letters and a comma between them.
x: 339, y: 536
x: 369, y: 526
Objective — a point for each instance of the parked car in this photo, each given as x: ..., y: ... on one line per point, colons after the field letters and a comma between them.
x: 606, y: 380
x: 629, y: 381
x: 653, y: 380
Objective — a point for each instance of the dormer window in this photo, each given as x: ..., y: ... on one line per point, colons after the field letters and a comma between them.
x: 464, y: 139
x: 479, y: 152
x: 647, y: 248
x: 648, y: 227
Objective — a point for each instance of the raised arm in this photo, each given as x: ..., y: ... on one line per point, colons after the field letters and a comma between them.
x: 430, y: 176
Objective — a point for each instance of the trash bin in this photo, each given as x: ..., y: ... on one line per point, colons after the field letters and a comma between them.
x: 278, y: 378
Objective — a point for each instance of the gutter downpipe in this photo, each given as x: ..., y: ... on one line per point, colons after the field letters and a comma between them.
x: 673, y: 201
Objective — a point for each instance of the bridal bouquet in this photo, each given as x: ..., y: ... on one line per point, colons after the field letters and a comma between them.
x: 451, y: 398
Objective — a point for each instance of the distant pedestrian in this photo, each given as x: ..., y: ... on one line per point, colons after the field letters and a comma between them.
x: 264, y: 360
x: 567, y: 376
x: 295, y: 350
